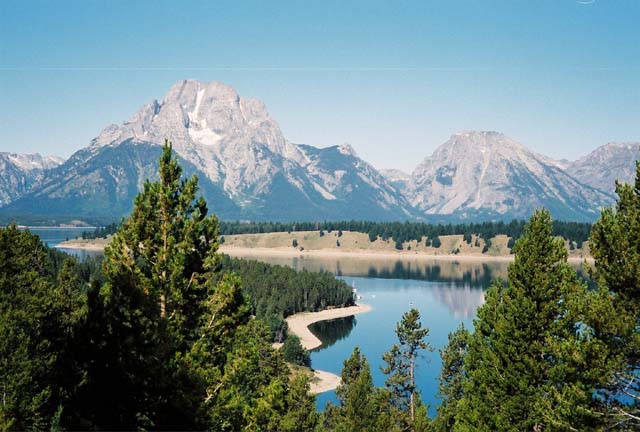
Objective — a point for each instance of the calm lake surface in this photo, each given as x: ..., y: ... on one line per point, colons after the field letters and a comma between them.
x: 54, y: 236
x: 447, y: 294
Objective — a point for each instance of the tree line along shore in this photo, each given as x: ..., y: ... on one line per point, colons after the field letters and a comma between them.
x: 339, y: 242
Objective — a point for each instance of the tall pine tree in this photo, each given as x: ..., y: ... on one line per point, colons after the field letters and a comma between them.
x: 615, y: 246
x: 401, y: 370
x: 532, y: 362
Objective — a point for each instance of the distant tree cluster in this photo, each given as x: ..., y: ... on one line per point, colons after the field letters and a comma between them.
x: 101, y: 232
x: 402, y: 232
x: 276, y: 292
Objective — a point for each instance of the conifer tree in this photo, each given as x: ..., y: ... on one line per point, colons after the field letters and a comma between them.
x: 532, y: 363
x: 615, y: 247
x: 165, y: 319
x: 362, y: 406
x: 452, y: 379
x: 37, y: 324
x: 401, y: 365
x: 301, y: 412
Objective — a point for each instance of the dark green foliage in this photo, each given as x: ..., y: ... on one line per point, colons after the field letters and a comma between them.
x: 401, y: 366
x: 39, y: 323
x: 531, y: 362
x: 396, y: 407
x: 452, y: 379
x: 339, y: 233
x: 487, y: 245
x: 294, y: 243
x: 276, y: 292
x: 321, y: 233
x: 615, y: 247
x: 467, y: 237
x: 435, y: 242
x: 362, y: 407
x: 511, y: 243
x: 301, y: 414
x: 338, y: 243
x: 294, y: 352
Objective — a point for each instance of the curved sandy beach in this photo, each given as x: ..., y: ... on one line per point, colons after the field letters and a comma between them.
x: 299, y: 325
x: 300, y: 322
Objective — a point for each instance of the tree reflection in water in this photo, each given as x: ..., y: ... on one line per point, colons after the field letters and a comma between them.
x: 331, y: 331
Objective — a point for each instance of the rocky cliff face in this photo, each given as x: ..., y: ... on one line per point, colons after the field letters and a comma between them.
x: 235, y: 147
x: 19, y: 173
x: 486, y: 175
x: 606, y: 164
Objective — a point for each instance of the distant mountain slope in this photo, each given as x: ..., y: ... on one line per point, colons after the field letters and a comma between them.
x: 101, y: 185
x: 486, y: 175
x: 20, y: 172
x: 606, y: 164
x: 247, y: 168
x: 397, y: 178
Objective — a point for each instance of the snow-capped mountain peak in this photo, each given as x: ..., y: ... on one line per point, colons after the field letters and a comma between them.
x: 19, y: 173
x: 233, y: 143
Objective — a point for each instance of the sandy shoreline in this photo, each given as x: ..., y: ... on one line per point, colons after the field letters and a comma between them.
x: 88, y: 246
x: 289, y: 252
x: 299, y: 325
x: 403, y: 255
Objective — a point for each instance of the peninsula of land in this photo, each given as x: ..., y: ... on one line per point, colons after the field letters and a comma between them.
x: 299, y: 323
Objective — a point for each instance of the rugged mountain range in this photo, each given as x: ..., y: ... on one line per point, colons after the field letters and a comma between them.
x: 486, y: 175
x: 19, y: 173
x: 606, y: 164
x: 249, y: 170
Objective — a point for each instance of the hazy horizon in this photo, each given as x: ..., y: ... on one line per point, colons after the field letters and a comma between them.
x: 561, y: 77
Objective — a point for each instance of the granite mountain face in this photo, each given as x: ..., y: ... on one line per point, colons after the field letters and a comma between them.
x: 248, y: 170
x: 487, y: 175
x: 606, y: 164
x: 19, y: 173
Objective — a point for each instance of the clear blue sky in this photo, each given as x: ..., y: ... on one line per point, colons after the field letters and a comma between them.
x: 395, y: 79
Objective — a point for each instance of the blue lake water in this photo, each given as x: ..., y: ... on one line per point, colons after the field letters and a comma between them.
x: 55, y: 235
x: 447, y: 293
